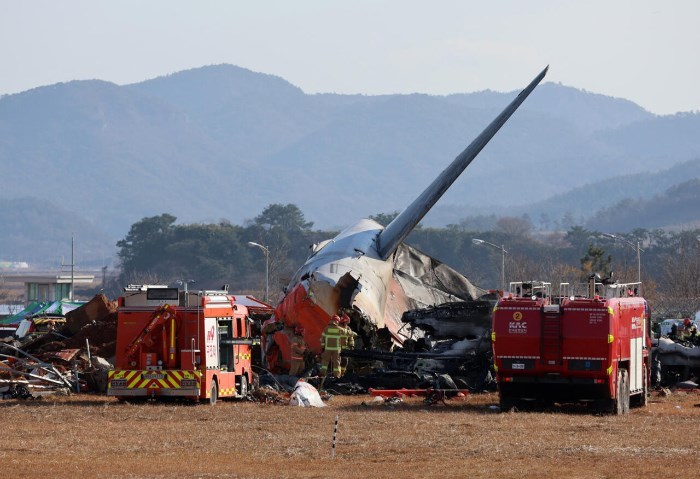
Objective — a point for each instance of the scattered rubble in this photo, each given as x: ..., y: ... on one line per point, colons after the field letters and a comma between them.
x: 675, y: 362
x: 449, y: 348
x: 268, y: 395
x: 64, y: 354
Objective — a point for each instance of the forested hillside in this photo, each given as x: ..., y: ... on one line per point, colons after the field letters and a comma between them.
x: 678, y: 206
x: 219, y: 143
x: 156, y: 249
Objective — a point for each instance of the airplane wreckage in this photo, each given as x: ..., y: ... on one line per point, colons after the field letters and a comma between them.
x: 410, y: 311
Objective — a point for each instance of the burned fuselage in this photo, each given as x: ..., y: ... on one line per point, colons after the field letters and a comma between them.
x: 373, y: 292
x: 369, y: 273
x: 469, y: 320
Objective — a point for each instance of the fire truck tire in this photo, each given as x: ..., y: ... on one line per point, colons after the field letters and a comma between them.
x: 626, y: 394
x: 506, y: 402
x: 213, y: 393
x: 622, y: 401
x: 243, y: 388
x: 644, y: 399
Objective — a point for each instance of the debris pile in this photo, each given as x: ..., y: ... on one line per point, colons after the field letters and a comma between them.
x: 64, y: 354
x: 269, y: 395
x: 676, y: 362
x: 450, y: 348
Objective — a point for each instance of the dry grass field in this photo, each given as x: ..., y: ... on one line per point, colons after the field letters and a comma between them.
x: 94, y: 436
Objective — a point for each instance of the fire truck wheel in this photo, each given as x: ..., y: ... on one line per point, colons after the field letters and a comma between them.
x: 622, y: 401
x: 644, y: 399
x: 506, y: 402
x: 213, y: 393
x: 626, y: 397
x: 243, y: 388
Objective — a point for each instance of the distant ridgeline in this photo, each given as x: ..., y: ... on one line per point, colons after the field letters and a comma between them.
x: 92, y: 158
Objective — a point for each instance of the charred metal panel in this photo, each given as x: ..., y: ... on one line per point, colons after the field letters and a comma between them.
x: 465, y: 319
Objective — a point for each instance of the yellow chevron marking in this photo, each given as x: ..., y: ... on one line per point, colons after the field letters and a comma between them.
x: 143, y: 383
x: 171, y: 379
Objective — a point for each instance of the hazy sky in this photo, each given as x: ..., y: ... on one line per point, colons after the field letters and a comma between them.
x: 642, y: 50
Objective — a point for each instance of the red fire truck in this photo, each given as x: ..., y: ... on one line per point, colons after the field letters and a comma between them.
x: 187, y: 344
x: 592, y: 347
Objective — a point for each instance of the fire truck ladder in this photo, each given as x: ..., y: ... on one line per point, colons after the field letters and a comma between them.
x: 550, y: 345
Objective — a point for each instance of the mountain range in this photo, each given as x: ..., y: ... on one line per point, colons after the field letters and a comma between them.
x: 223, y: 142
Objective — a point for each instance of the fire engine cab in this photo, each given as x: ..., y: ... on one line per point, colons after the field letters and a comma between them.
x: 592, y: 347
x: 187, y: 344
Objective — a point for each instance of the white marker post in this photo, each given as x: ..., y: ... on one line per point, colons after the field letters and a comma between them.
x: 335, y: 432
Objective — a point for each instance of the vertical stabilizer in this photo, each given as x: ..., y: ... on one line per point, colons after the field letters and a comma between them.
x: 403, y: 224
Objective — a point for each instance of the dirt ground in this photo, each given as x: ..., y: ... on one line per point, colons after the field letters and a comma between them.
x: 94, y: 436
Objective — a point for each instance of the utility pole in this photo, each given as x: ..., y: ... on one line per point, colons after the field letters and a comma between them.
x: 104, y: 277
x: 72, y: 268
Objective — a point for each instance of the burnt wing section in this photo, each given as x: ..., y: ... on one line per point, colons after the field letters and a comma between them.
x: 427, y: 281
x: 461, y: 320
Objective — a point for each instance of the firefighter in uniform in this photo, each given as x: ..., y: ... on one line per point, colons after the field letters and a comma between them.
x: 347, y: 341
x: 690, y: 331
x: 330, y: 347
x: 298, y: 347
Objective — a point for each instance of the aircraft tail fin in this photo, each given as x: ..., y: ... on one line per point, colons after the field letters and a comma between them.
x: 397, y: 231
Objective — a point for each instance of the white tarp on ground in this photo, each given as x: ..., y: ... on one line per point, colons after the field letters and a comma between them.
x: 305, y: 395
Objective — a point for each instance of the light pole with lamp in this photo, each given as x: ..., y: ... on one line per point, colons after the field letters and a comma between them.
x: 503, y: 255
x: 184, y: 283
x: 635, y: 247
x: 267, y: 267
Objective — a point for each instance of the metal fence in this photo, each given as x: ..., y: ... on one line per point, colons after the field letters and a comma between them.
x: 674, y: 307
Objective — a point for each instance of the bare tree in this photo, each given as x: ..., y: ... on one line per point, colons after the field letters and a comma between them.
x: 146, y: 277
x: 681, y: 269
x: 9, y: 297
x: 524, y: 268
x: 518, y: 227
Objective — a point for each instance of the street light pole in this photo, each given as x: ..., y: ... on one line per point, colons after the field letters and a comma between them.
x: 184, y: 283
x: 635, y: 247
x: 503, y: 259
x: 267, y: 267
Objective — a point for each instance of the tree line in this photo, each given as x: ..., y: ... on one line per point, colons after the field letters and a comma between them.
x: 157, y: 250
